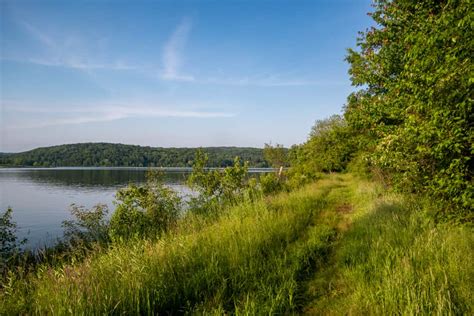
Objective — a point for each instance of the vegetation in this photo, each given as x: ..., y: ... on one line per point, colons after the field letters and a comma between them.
x: 219, y: 188
x: 374, y: 215
x: 118, y: 155
x: 415, y: 110
x: 410, y: 122
x: 87, y: 227
x: 392, y: 258
x: 340, y: 245
x: 144, y: 211
x: 9, y: 243
x: 277, y: 156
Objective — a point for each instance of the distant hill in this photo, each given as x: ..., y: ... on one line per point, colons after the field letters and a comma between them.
x: 119, y: 155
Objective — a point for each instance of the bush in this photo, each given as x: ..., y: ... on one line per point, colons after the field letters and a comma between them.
x: 10, y: 246
x: 271, y: 183
x: 217, y: 188
x: 89, y: 225
x: 145, y: 210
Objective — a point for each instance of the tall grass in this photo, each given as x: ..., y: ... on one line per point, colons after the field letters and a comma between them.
x: 395, y: 260
x: 249, y: 260
x: 341, y: 245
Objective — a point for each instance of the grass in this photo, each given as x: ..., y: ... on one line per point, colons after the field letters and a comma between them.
x: 393, y: 259
x: 340, y: 245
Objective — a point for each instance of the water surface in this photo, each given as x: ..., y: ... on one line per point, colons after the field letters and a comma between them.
x: 41, y: 197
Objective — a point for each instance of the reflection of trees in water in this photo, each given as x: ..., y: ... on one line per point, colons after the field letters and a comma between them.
x: 92, y: 177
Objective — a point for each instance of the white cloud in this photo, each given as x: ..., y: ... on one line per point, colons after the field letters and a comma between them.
x: 38, y: 35
x: 270, y: 81
x: 68, y: 52
x: 99, y: 113
x: 71, y: 53
x: 172, y: 53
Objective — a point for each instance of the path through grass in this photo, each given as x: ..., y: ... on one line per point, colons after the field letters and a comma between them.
x: 339, y: 245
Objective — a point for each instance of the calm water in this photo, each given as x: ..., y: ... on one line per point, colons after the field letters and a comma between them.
x: 41, y: 198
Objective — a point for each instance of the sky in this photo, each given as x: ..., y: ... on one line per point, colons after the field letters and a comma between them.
x: 173, y: 73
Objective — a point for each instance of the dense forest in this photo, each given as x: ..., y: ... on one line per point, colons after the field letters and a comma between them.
x: 119, y: 155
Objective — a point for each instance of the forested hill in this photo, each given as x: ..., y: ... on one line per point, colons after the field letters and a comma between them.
x: 119, y: 155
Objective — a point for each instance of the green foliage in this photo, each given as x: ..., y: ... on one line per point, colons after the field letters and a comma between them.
x: 415, y: 107
x: 276, y: 156
x: 119, y: 155
x: 249, y: 259
x: 10, y: 246
x: 330, y: 144
x: 271, y: 183
x: 87, y: 227
x: 338, y: 246
x: 144, y: 211
x: 216, y: 188
x: 330, y: 147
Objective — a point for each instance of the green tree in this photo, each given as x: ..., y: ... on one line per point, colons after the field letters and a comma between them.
x: 414, y: 107
x: 330, y: 147
x: 276, y: 156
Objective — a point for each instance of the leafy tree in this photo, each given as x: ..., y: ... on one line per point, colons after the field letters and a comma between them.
x: 104, y: 154
x: 330, y: 147
x: 414, y: 107
x: 331, y: 144
x: 276, y: 155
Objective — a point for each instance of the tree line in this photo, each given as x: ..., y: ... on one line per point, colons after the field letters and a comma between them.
x: 119, y: 155
x: 410, y: 121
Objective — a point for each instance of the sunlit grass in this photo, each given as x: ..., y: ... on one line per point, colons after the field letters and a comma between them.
x: 395, y: 260
x: 340, y: 245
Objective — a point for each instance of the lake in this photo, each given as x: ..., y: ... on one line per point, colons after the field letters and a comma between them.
x: 41, y: 197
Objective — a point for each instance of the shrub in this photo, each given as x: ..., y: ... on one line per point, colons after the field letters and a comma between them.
x: 271, y: 183
x: 10, y: 246
x: 216, y: 188
x: 144, y: 210
x: 89, y: 225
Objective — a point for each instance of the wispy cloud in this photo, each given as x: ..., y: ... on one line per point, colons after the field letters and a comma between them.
x: 172, y: 53
x: 37, y: 34
x: 64, y: 52
x: 61, y: 53
x: 270, y: 81
x: 78, y: 65
x: 45, y: 117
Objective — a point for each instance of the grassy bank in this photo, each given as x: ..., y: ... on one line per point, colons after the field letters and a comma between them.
x: 391, y: 258
x: 335, y: 246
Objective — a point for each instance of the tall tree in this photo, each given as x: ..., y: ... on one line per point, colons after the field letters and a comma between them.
x: 415, y: 102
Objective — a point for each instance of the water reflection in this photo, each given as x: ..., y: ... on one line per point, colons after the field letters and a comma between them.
x: 88, y: 177
x: 41, y: 198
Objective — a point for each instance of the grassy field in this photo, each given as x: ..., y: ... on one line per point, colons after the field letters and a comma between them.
x: 341, y: 245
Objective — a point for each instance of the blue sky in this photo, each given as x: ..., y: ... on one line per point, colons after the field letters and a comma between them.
x: 172, y: 73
